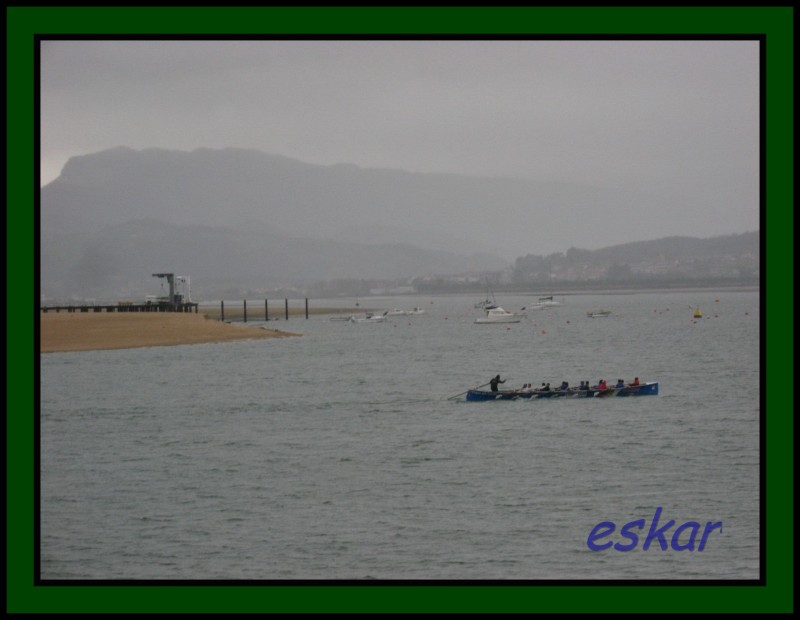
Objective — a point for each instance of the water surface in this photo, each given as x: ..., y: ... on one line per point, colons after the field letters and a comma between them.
x: 339, y: 455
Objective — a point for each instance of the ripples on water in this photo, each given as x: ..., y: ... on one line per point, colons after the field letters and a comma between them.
x: 339, y: 456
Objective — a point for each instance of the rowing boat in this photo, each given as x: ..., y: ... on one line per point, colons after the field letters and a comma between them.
x: 643, y: 389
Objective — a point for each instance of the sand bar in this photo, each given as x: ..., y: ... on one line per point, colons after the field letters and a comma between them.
x: 81, y: 331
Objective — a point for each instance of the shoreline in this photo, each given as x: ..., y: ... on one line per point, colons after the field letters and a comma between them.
x: 69, y: 332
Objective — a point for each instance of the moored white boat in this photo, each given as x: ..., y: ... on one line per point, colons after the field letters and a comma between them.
x: 396, y: 312
x: 368, y: 318
x: 594, y: 314
x: 548, y: 302
x: 498, y: 315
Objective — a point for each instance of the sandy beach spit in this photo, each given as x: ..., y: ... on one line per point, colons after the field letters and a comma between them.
x: 80, y: 331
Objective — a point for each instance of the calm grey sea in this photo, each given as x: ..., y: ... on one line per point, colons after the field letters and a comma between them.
x: 337, y: 455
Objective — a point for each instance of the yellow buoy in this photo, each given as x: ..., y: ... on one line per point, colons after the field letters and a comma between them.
x: 698, y: 314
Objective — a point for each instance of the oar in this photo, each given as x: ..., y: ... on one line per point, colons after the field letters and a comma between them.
x: 462, y: 393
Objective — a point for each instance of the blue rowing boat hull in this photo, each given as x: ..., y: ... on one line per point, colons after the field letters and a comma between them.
x: 645, y: 389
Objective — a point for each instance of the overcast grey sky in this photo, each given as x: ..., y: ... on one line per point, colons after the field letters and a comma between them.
x: 659, y: 116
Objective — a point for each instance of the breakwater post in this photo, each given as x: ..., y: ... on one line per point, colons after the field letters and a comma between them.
x: 236, y: 316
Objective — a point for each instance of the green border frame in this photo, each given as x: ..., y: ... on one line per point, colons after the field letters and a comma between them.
x: 774, y: 22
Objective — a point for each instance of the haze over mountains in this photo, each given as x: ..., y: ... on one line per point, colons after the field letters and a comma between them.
x: 237, y: 218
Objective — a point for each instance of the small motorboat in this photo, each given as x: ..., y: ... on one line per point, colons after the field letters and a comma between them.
x: 396, y: 312
x: 548, y: 302
x: 369, y: 318
x: 498, y: 315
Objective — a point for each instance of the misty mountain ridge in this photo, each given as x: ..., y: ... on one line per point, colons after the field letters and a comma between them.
x: 241, y: 218
x: 506, y: 217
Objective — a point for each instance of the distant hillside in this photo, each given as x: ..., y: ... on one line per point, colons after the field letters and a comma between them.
x: 239, y: 219
x: 455, y: 213
x: 728, y: 256
x: 233, y: 187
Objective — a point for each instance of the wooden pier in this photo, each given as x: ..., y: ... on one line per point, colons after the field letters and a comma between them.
x: 124, y: 307
x: 227, y: 311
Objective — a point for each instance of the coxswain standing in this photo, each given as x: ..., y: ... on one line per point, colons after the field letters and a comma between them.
x: 493, y: 383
